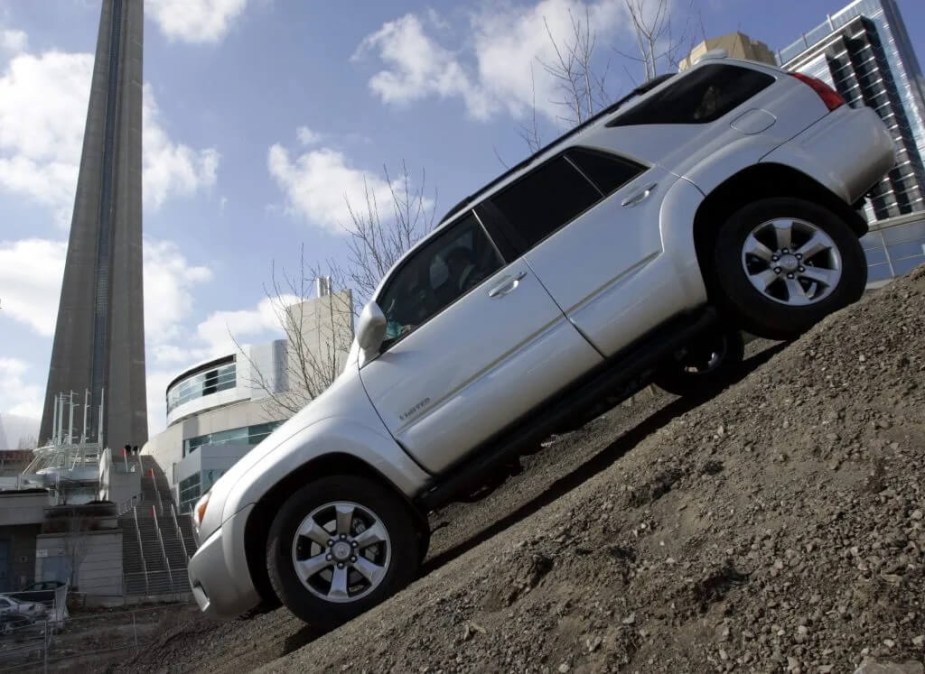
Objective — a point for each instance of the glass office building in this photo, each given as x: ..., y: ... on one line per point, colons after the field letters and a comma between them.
x: 865, y: 53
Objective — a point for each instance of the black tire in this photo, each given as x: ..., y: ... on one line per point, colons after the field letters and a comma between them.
x: 781, y: 311
x: 399, y: 556
x: 710, y: 363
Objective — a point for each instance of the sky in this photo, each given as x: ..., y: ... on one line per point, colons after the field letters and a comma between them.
x: 263, y: 119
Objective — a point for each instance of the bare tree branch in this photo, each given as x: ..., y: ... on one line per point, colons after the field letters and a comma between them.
x: 319, y: 330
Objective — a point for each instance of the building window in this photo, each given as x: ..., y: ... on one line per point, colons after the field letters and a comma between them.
x: 203, y: 383
x: 246, y: 435
x: 190, y: 491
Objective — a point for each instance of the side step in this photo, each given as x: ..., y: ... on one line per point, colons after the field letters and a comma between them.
x: 605, y: 386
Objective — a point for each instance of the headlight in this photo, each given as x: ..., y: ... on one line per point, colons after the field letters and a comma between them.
x: 199, y: 512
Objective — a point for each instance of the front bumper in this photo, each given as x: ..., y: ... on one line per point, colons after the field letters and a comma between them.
x: 218, y: 572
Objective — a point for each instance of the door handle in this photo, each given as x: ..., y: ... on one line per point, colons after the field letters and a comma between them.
x: 508, y: 284
x: 640, y: 196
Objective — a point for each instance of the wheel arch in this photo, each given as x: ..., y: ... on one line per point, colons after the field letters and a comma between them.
x: 760, y: 181
x: 258, y: 524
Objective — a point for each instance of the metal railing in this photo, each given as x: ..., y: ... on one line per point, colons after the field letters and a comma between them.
x: 141, y: 548
x: 160, y: 540
x: 176, y: 523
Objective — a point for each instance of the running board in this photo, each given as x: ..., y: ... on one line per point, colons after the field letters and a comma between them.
x: 604, y: 387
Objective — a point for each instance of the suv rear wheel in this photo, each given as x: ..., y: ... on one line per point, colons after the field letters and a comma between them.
x: 339, y: 546
x: 784, y: 264
x: 707, y: 364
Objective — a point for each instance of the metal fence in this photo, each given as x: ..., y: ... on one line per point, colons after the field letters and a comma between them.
x: 84, y: 641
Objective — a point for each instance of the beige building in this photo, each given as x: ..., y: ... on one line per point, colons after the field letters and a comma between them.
x: 219, y: 410
x: 737, y: 45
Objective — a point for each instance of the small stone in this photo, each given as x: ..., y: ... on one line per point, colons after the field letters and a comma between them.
x: 593, y: 644
x: 630, y: 619
x: 919, y: 640
x: 916, y: 514
x: 889, y: 643
x: 564, y: 667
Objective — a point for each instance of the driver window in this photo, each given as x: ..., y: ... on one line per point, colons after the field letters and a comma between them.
x: 446, y: 268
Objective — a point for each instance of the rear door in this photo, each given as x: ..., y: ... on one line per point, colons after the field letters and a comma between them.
x: 473, y: 343
x: 586, y: 222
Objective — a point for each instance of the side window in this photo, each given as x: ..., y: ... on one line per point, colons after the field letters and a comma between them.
x: 607, y: 172
x: 704, y: 96
x: 444, y: 269
x: 545, y: 199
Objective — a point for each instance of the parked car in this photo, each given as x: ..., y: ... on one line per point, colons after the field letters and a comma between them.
x: 16, y: 613
x: 723, y: 198
x: 42, y: 592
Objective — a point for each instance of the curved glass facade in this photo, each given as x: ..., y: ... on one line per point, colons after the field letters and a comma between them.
x: 247, y: 435
x: 216, y: 377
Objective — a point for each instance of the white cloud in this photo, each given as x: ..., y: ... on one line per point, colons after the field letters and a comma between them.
x: 16, y: 395
x: 196, y: 21
x: 43, y: 99
x: 169, y: 168
x: 417, y: 67
x: 30, y: 281
x: 220, y: 330
x: 169, y: 281
x: 308, y: 137
x: 13, y: 41
x: 40, y: 134
x: 30, y: 278
x: 318, y: 185
x: 501, y: 67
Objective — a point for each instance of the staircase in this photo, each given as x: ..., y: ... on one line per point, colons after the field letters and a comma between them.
x: 156, y: 542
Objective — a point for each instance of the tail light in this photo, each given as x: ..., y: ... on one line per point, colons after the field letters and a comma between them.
x: 829, y: 96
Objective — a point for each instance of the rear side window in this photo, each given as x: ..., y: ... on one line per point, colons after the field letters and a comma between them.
x: 545, y: 199
x: 607, y: 172
x: 704, y: 96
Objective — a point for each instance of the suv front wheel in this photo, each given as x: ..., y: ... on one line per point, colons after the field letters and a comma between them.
x: 339, y: 546
x: 784, y: 264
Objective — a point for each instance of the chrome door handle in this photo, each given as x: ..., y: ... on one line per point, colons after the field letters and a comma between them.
x: 640, y: 196
x: 508, y: 284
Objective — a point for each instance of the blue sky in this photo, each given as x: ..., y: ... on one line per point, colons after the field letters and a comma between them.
x: 260, y: 115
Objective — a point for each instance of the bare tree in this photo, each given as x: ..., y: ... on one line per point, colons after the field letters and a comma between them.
x: 377, y: 241
x: 661, y: 43
x: 581, y: 75
x: 319, y: 329
x: 318, y: 333
x: 582, y: 90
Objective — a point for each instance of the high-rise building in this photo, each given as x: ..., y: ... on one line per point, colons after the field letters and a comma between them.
x: 99, y: 338
x: 864, y: 52
x: 737, y: 45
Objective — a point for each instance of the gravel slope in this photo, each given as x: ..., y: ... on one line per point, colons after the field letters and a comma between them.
x: 777, y: 527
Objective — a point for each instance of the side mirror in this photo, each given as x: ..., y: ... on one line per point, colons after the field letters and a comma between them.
x: 371, y: 328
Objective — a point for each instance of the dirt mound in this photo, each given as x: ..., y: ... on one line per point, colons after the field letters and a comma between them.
x: 778, y: 527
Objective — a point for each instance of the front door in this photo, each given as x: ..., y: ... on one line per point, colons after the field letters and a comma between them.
x: 472, y: 344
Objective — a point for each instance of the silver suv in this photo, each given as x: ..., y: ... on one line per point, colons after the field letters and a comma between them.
x: 630, y: 250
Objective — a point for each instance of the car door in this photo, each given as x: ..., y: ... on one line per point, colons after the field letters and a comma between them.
x: 472, y: 344
x: 586, y: 222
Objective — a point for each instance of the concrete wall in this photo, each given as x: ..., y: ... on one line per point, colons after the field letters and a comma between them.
x: 123, y: 486
x: 98, y: 556
x: 18, y: 508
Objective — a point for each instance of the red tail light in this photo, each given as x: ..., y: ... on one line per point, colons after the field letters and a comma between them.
x: 829, y: 96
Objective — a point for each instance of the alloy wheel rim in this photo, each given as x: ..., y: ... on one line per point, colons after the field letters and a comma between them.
x: 791, y: 261
x: 341, y: 551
